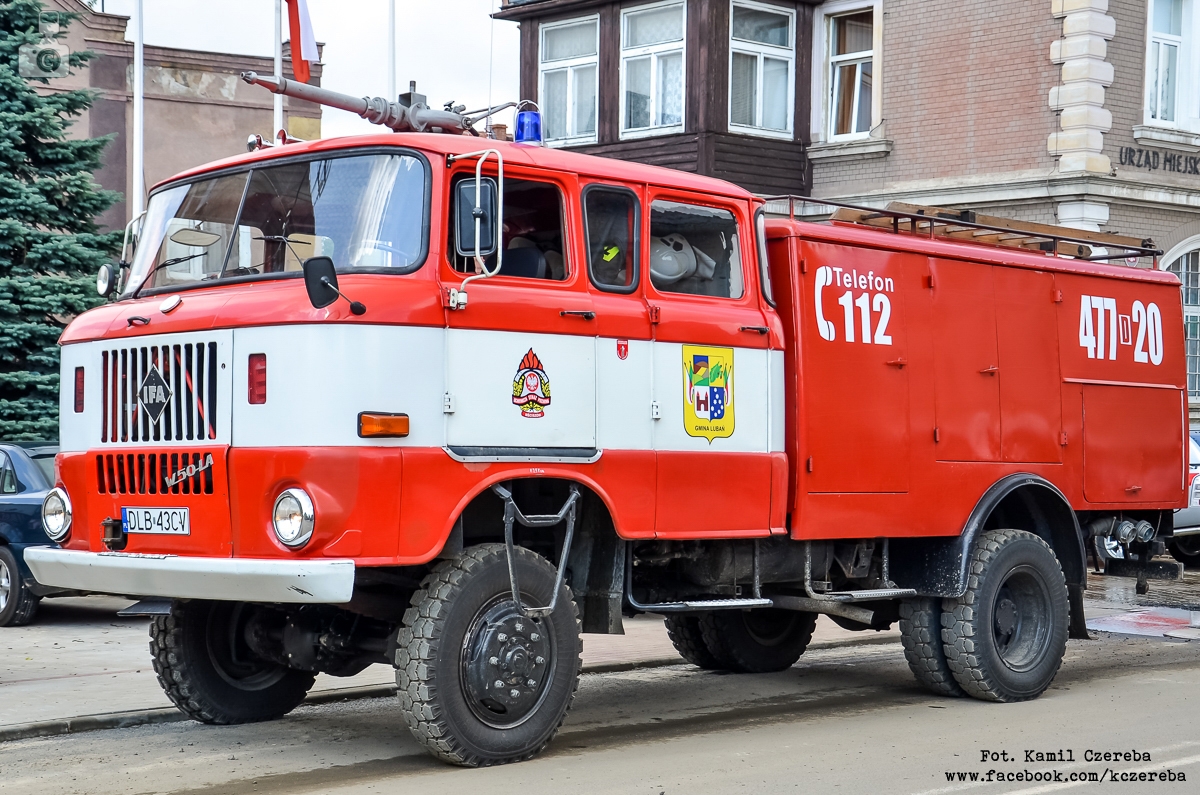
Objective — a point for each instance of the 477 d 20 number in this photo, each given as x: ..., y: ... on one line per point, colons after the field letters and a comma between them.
x: 1102, y: 327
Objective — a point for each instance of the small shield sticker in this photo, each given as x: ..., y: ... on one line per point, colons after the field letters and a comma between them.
x: 622, y: 349
x: 154, y: 394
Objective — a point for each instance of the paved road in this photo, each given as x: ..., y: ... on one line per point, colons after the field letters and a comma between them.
x: 845, y: 719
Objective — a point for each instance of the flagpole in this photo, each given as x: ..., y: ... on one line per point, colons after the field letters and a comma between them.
x: 391, y: 81
x: 277, y: 119
x: 139, y: 114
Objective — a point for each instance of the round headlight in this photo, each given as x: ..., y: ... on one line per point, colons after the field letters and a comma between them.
x: 293, y: 518
x: 56, y: 514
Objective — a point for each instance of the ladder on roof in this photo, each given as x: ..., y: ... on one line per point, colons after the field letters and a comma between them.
x: 971, y: 227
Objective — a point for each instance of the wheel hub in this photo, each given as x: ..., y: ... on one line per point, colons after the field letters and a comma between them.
x: 506, y: 662
x: 5, y: 585
x: 1006, y: 616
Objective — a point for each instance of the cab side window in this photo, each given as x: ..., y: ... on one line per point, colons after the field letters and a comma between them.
x: 695, y: 249
x: 533, y: 239
x: 612, y: 222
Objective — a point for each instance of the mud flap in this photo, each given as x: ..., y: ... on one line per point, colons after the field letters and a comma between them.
x: 1078, y: 627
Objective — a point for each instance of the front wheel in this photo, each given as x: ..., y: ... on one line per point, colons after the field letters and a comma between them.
x: 209, y: 672
x: 1005, y: 637
x: 480, y: 682
x: 1186, y: 550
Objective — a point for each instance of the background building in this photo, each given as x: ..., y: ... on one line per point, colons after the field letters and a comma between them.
x: 196, y: 108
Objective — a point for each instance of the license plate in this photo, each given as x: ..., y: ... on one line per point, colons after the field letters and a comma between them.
x: 159, y: 521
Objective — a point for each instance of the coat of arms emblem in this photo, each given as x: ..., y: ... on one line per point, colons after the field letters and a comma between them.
x: 708, y: 391
x: 531, y: 387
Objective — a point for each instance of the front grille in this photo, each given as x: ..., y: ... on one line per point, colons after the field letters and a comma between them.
x: 147, y: 473
x: 190, y: 370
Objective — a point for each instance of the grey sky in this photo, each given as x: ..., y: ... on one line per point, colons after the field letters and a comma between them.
x: 442, y: 44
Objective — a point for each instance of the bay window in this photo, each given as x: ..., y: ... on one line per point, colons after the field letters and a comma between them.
x: 567, y: 75
x: 652, y: 69
x: 761, y: 68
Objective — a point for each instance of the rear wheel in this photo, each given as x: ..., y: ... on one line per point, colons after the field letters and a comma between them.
x: 1005, y: 637
x: 921, y: 635
x: 688, y: 639
x: 17, y: 604
x: 1186, y: 550
x: 757, y: 641
x: 481, y: 683
x: 207, y: 669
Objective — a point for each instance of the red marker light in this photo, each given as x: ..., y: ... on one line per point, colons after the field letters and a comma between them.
x: 78, y: 390
x: 257, y: 378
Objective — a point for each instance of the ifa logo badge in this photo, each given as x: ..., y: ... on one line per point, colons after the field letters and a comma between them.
x: 531, y: 387
x: 154, y: 394
x: 708, y: 391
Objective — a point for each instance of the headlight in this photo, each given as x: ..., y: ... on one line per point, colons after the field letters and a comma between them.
x: 56, y: 514
x: 293, y: 518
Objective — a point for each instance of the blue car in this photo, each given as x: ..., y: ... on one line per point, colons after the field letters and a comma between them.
x: 26, y: 474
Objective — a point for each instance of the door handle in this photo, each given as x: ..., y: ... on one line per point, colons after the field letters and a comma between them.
x: 758, y: 329
x: 900, y: 363
x: 990, y: 370
x: 586, y: 314
x: 1133, y: 489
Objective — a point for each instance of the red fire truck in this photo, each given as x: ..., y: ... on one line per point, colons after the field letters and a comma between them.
x: 299, y: 443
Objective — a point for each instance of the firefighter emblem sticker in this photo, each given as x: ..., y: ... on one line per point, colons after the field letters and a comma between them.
x: 708, y: 391
x: 154, y: 393
x: 531, y: 387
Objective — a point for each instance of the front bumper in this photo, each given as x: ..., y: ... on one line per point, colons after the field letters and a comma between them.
x: 176, y: 577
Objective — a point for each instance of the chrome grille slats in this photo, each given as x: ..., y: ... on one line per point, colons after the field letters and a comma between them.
x: 190, y: 370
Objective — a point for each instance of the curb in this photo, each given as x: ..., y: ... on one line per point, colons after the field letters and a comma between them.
x: 146, y: 717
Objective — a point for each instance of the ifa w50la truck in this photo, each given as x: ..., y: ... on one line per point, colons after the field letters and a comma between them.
x: 444, y: 402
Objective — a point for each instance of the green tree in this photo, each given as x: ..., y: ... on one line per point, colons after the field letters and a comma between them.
x: 50, y: 246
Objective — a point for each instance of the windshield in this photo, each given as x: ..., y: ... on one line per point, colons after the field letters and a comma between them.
x: 364, y: 211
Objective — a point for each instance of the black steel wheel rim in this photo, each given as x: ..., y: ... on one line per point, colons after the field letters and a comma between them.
x: 1188, y: 545
x: 769, y: 627
x: 231, y: 656
x: 1022, y: 616
x: 507, y: 663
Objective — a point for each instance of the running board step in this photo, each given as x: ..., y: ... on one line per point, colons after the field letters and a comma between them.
x: 869, y: 596
x: 711, y: 604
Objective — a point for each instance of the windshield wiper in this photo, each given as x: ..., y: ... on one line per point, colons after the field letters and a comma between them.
x: 160, y: 266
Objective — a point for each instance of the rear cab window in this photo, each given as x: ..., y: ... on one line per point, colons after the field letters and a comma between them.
x: 695, y: 249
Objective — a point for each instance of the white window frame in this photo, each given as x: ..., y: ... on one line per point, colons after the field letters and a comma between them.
x: 1187, y: 80
x: 821, y: 122
x: 761, y: 50
x: 655, y: 51
x: 570, y: 65
x: 1191, y: 311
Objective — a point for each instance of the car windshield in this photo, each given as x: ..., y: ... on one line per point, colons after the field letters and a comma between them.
x: 367, y: 212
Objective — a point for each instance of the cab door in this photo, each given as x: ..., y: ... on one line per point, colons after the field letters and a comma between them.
x: 520, y: 358
x: 711, y: 369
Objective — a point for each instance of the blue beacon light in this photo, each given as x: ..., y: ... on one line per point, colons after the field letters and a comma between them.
x: 529, y: 127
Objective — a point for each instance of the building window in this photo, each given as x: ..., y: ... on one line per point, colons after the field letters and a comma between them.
x: 567, y: 74
x: 652, y: 69
x: 851, y: 72
x: 761, y: 68
x: 1163, y: 60
x: 1187, y: 268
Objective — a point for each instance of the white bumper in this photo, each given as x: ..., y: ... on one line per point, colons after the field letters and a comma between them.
x: 242, y: 580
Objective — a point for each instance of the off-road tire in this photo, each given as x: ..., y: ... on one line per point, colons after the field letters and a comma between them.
x: 688, y: 639
x: 757, y: 641
x: 189, y: 675
x: 921, y: 636
x: 429, y: 667
x: 1186, y: 550
x: 1024, y: 566
x: 20, y: 606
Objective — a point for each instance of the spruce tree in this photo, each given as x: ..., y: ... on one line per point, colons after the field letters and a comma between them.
x: 50, y: 246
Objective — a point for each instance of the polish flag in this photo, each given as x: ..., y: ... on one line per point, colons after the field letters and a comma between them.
x: 304, y: 44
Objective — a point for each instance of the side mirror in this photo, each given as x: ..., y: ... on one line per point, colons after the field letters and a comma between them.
x: 106, y: 280
x: 469, y: 238
x: 320, y: 280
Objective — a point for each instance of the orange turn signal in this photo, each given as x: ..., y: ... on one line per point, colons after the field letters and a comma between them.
x: 377, y: 425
